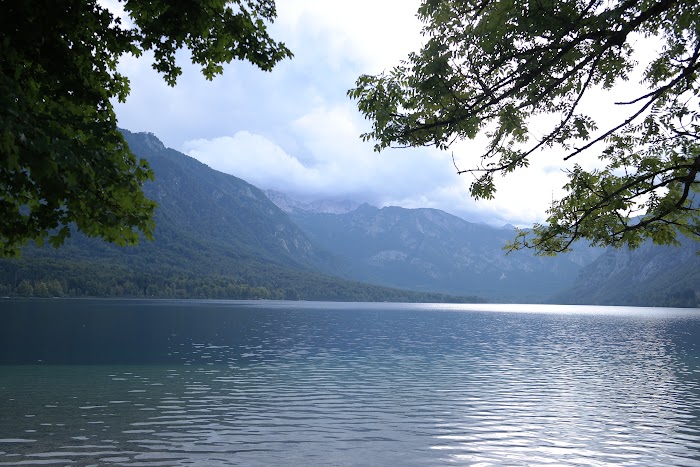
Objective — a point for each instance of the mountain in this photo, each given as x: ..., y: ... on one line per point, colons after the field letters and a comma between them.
x: 651, y: 275
x: 217, y: 236
x: 428, y: 249
x: 206, y: 221
x: 205, y: 205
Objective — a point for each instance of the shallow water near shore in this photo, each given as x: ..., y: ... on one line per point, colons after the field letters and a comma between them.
x: 125, y: 382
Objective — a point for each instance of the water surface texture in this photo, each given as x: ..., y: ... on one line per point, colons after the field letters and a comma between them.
x: 100, y: 382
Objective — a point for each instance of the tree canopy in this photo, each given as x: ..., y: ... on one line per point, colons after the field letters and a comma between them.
x: 492, y: 67
x: 63, y: 161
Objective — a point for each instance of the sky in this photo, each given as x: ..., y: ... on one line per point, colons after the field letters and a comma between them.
x: 295, y: 130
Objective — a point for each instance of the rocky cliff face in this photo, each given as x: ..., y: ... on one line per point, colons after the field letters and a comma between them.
x: 428, y: 249
x: 651, y: 275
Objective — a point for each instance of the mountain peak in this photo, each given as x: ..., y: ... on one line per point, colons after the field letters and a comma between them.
x: 149, y: 139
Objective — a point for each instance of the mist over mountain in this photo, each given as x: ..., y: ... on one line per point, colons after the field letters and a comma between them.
x: 328, y: 206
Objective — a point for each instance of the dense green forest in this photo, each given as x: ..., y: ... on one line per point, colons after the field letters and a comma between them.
x: 49, y: 277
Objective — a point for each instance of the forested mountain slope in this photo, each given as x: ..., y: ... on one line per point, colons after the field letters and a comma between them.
x: 651, y: 275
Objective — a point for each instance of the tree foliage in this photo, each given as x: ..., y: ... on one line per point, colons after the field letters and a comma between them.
x: 63, y: 161
x: 492, y: 67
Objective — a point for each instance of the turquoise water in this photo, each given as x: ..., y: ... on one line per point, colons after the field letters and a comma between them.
x: 100, y: 382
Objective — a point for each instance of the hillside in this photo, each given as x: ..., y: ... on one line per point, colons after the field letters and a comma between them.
x: 217, y: 236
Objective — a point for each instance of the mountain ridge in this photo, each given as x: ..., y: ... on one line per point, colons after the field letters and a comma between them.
x: 429, y: 249
x: 652, y: 275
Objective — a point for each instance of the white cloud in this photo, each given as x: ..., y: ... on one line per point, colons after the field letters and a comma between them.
x: 337, y: 164
x: 295, y: 130
x: 374, y: 34
x: 253, y: 158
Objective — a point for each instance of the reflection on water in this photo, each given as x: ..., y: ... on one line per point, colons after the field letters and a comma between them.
x: 207, y: 383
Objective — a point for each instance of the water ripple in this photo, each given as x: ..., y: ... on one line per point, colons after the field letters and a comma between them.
x: 378, y: 386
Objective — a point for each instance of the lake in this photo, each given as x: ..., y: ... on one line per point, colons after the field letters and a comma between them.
x: 135, y: 382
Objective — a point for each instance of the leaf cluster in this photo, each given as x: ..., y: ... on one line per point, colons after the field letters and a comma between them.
x: 493, y: 67
x: 62, y: 159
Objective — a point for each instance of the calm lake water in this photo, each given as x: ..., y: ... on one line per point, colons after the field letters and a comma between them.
x: 100, y: 382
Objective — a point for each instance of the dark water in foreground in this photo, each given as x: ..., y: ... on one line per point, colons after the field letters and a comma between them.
x: 100, y: 382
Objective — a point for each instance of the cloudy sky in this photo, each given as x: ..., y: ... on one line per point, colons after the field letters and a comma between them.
x: 294, y: 130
